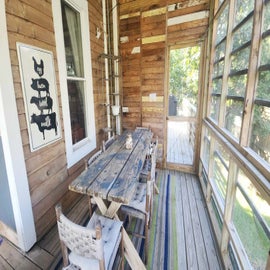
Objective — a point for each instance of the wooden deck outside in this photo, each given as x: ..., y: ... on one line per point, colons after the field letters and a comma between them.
x: 196, y: 247
x: 180, y: 143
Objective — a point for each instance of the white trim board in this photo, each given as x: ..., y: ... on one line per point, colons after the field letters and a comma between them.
x: 188, y: 17
x: 12, y: 146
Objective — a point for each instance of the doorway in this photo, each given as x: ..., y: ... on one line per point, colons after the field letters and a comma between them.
x: 182, y: 112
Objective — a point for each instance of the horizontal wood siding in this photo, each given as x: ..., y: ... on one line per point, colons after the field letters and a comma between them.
x: 31, y: 22
x: 131, y: 70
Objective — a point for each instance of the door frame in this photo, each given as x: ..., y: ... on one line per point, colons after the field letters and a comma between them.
x: 194, y: 168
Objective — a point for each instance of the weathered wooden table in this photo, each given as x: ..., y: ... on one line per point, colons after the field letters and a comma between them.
x: 112, y: 177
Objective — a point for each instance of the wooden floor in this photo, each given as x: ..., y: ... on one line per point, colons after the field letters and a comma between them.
x: 193, y: 230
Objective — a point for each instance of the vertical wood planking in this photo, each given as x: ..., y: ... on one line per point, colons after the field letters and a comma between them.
x: 145, y: 73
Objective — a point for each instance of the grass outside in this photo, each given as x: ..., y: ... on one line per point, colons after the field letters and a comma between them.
x: 250, y: 231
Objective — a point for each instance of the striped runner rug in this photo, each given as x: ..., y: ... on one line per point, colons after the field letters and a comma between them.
x: 180, y: 235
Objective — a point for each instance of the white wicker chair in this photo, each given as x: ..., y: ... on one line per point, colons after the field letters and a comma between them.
x: 149, y: 167
x: 108, y: 143
x: 92, y: 247
x: 140, y: 205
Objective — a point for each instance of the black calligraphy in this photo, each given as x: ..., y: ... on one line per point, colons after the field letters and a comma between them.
x: 43, y: 101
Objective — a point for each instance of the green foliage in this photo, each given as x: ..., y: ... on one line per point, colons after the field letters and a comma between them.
x: 222, y: 25
x: 184, y: 69
x: 243, y: 7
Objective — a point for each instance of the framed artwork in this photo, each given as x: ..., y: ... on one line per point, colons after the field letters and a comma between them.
x: 40, y: 95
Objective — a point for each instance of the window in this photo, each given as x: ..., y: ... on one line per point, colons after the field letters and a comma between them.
x: 231, y: 85
x: 237, y: 192
x: 241, y: 42
x: 75, y: 72
x: 218, y: 67
x: 251, y: 217
x: 260, y: 132
x: 220, y: 171
x: 205, y: 155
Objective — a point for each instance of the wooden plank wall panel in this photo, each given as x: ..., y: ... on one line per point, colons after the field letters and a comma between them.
x: 127, y: 6
x: 150, y: 64
x: 144, y: 24
x: 131, y: 70
x: 97, y: 48
x: 187, y: 32
x: 31, y: 22
x: 193, y: 26
x: 153, y: 29
x: 152, y: 89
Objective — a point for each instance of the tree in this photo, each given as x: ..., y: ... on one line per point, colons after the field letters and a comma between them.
x: 184, y: 71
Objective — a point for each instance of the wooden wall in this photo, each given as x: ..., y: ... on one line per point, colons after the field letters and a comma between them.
x: 147, y: 29
x: 31, y: 22
x: 144, y: 36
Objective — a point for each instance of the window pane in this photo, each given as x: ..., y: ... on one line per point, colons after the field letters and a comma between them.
x: 220, y: 169
x: 237, y: 85
x: 240, y: 60
x: 243, y: 8
x: 222, y: 25
x: 77, y: 110
x: 249, y: 213
x: 265, y: 56
x: 260, y: 133
x: 215, y: 105
x: 242, y: 34
x: 266, y: 19
x: 206, y: 149
x: 232, y: 256
x: 220, y: 51
x: 218, y: 216
x: 218, y: 68
x: 233, y: 117
x: 73, y: 41
x: 204, y: 177
x: 216, y: 86
x: 263, y: 88
x: 260, y: 128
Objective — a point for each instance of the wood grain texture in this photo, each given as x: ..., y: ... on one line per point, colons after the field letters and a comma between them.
x: 113, y: 174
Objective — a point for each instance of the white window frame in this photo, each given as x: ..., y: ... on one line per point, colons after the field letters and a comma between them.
x: 75, y: 152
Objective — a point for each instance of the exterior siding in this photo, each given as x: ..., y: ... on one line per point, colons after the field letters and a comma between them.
x: 31, y: 22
